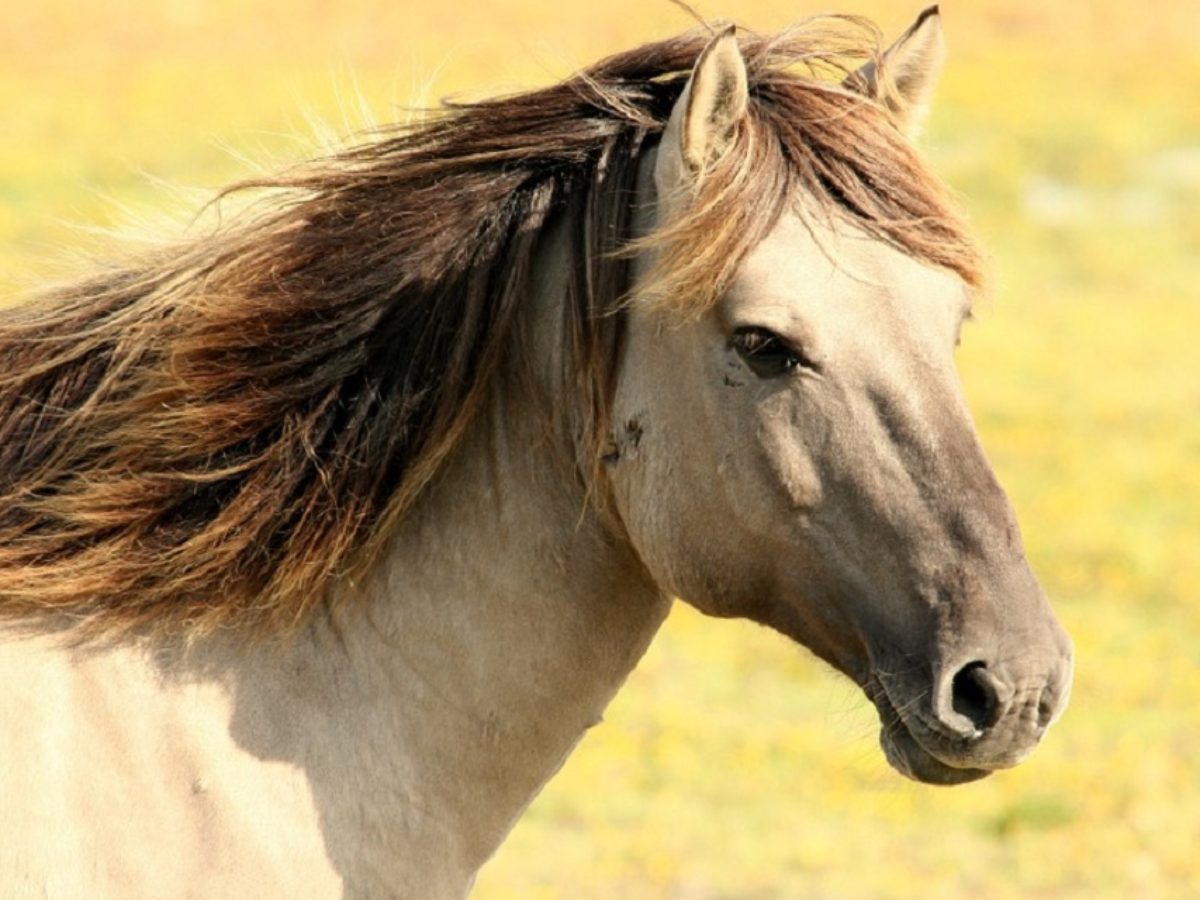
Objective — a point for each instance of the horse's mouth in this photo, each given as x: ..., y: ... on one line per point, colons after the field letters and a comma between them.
x: 906, y: 754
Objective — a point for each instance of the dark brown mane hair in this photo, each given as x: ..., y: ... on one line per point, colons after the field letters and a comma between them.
x: 214, y: 433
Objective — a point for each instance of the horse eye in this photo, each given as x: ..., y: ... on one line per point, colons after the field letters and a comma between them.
x: 767, y: 354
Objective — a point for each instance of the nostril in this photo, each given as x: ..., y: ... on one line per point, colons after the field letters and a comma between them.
x: 973, y: 695
x: 1045, y: 709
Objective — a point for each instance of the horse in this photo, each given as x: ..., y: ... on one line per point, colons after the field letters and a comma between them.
x: 326, y: 533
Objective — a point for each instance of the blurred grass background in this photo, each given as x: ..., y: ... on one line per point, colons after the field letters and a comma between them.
x: 733, y: 766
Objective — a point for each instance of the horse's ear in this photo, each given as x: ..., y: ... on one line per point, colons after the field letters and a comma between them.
x: 705, y: 118
x: 905, y: 75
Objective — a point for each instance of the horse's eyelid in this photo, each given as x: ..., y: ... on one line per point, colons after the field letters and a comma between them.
x: 799, y: 359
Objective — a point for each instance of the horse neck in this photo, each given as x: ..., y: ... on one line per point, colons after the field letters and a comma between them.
x: 498, y: 625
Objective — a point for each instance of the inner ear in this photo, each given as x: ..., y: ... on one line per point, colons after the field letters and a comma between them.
x: 716, y: 101
x: 705, y: 118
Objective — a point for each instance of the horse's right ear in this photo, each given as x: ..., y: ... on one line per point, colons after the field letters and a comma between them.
x: 706, y: 116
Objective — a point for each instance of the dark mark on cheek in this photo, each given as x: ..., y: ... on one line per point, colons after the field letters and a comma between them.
x: 626, y: 444
x: 633, y: 433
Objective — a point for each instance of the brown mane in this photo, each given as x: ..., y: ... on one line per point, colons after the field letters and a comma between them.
x: 214, y: 433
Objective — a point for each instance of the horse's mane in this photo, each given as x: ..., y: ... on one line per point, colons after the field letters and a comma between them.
x: 215, y: 432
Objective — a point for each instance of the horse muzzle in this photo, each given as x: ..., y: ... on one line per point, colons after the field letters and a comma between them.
x: 970, y: 719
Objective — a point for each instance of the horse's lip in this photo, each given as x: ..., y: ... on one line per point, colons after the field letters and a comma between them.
x: 909, y: 758
x: 906, y: 754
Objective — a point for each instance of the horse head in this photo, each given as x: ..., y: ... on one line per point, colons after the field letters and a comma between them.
x: 799, y: 452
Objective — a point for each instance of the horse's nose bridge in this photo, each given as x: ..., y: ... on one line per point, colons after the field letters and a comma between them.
x: 929, y: 443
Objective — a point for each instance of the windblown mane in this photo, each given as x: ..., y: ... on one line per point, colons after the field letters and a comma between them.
x: 214, y: 433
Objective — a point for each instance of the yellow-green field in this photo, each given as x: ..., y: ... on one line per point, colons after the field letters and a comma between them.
x: 733, y: 766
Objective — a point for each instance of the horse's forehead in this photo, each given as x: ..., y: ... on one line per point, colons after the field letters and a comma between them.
x: 811, y: 267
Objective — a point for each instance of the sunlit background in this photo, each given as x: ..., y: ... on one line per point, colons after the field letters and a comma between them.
x: 732, y: 765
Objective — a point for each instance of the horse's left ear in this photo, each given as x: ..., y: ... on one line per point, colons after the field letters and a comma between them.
x: 906, y: 73
x: 705, y: 118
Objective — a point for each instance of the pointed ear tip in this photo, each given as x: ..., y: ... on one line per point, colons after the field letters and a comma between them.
x: 725, y: 47
x: 726, y: 39
x: 930, y: 12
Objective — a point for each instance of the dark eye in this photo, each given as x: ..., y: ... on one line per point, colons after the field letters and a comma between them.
x: 766, y: 353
